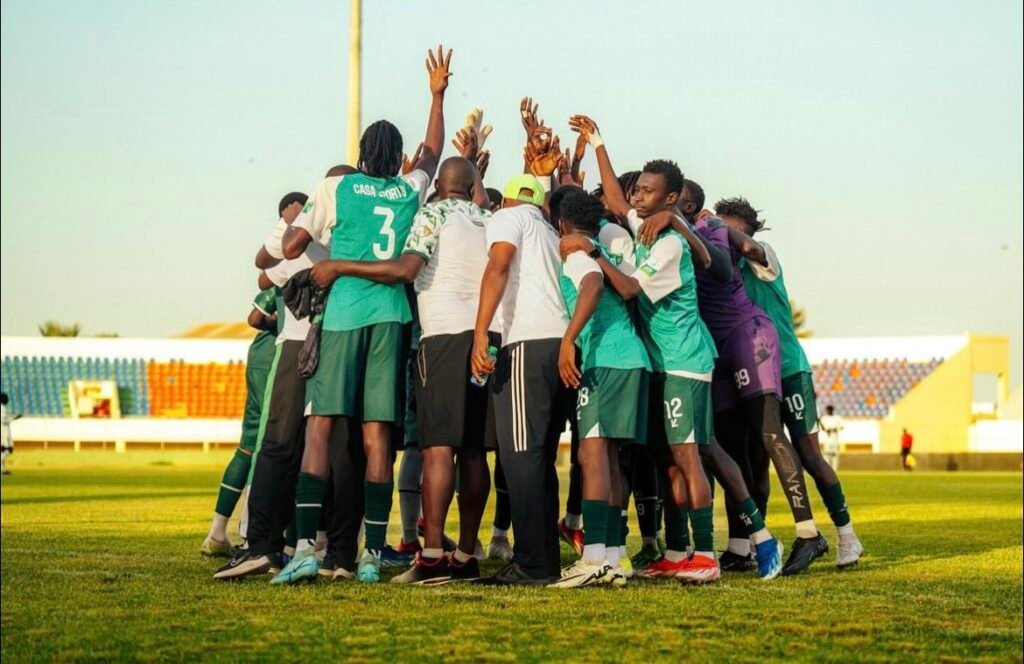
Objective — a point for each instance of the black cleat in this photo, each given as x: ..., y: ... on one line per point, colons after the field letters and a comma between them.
x: 513, y: 575
x: 245, y: 563
x: 426, y: 572
x: 328, y: 566
x: 805, y: 550
x: 734, y: 562
x: 467, y: 571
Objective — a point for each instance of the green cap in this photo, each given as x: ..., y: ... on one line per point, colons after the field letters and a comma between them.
x: 528, y: 182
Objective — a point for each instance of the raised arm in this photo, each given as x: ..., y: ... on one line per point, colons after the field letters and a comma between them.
x: 614, y: 196
x: 433, y: 143
x: 588, y: 295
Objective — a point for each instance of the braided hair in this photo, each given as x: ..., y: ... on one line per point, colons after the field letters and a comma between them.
x: 380, y: 150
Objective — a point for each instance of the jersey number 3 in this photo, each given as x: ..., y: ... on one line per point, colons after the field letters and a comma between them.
x: 385, y: 251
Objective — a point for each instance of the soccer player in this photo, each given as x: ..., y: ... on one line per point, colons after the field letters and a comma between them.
x: 364, y: 324
x: 530, y: 403
x: 611, y: 382
x: 831, y: 425
x: 263, y: 318
x: 680, y: 347
x: 747, y: 390
x: 444, y: 255
x: 764, y: 283
x: 6, y: 439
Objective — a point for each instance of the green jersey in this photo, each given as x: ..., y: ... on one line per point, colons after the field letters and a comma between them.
x: 677, y: 339
x: 363, y: 218
x: 261, y: 350
x: 767, y: 288
x: 608, y: 339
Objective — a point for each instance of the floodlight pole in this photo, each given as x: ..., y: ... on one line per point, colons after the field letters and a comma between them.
x: 355, y: 67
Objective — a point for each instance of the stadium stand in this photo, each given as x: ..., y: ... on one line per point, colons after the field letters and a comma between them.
x: 868, y: 387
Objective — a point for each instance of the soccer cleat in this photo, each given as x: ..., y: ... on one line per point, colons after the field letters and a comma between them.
x: 478, y: 550
x: 277, y: 562
x: 805, y: 551
x: 499, y: 549
x: 245, y: 564
x: 216, y: 548
x: 646, y: 557
x: 616, y: 577
x: 512, y: 575
x: 327, y: 565
x: 571, y: 536
x: 662, y: 567
x: 699, y: 570
x: 769, y: 559
x: 302, y: 567
x: 585, y: 573
x: 467, y: 571
x: 734, y: 562
x: 850, y: 551
x: 403, y: 556
x: 626, y: 565
x: 426, y: 572
x: 369, y: 568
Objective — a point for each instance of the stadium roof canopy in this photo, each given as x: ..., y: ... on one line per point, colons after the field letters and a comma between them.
x: 232, y: 330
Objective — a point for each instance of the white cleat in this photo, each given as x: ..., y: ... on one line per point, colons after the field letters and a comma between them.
x: 585, y: 573
x: 850, y: 551
x: 616, y: 577
x: 499, y: 549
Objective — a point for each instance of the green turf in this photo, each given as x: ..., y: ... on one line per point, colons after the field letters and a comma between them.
x: 100, y: 562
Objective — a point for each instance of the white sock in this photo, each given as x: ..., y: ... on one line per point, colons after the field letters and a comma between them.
x: 846, y: 530
x: 594, y: 553
x: 760, y: 536
x: 433, y: 553
x: 303, y: 545
x: 498, y: 532
x: 461, y: 557
x: 243, y: 518
x: 321, y: 539
x: 574, y: 521
x: 740, y: 545
x: 612, y: 553
x: 219, y: 527
x: 709, y: 554
x: 675, y: 556
x: 806, y: 529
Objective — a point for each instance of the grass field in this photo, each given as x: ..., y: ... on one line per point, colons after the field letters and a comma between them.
x: 100, y: 562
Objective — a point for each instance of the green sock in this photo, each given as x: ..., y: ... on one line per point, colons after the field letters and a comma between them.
x: 751, y: 516
x: 378, y: 507
x: 835, y: 501
x: 232, y: 483
x: 309, y: 498
x: 614, y: 527
x: 677, y: 534
x: 703, y: 519
x: 595, y: 521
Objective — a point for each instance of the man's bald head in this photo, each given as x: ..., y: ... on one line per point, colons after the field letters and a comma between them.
x: 456, y: 176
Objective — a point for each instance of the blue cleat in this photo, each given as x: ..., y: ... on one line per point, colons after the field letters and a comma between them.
x: 302, y: 567
x: 769, y: 559
x: 369, y: 568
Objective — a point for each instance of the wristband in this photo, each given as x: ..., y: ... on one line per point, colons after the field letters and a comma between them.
x: 273, y: 243
x: 595, y: 140
x: 545, y: 181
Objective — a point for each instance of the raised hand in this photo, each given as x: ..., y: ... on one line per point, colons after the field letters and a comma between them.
x: 483, y: 160
x: 409, y: 165
x: 465, y: 142
x: 543, y: 163
x: 437, y: 68
x: 475, y: 119
x: 528, y: 115
x: 585, y: 127
x: 540, y: 139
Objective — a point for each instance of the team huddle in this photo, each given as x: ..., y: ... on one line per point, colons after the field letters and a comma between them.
x: 407, y: 307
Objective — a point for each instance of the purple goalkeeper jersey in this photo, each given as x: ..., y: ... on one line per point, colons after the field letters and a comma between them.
x: 724, y: 306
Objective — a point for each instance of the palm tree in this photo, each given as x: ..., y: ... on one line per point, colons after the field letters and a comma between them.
x: 52, y: 328
x: 800, y: 321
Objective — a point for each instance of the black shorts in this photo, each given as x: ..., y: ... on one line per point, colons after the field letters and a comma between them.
x: 450, y: 411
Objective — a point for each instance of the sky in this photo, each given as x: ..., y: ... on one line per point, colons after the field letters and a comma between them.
x: 145, y: 144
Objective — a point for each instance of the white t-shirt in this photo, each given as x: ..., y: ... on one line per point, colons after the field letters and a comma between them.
x: 532, y: 307
x: 451, y: 237
x: 320, y: 214
x: 294, y: 329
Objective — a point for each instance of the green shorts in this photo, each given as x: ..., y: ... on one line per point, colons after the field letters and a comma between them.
x: 611, y: 403
x: 799, y: 405
x: 680, y: 410
x: 359, y: 374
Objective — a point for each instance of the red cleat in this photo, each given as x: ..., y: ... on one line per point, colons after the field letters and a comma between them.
x: 663, y: 567
x: 699, y: 569
x: 571, y: 536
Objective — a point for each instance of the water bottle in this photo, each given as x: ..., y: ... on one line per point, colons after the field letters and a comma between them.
x: 492, y: 353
